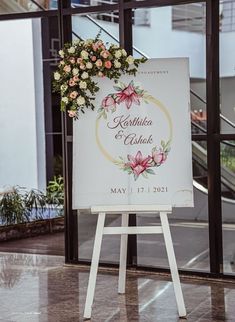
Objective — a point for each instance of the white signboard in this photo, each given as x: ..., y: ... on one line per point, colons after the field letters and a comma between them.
x: 135, y: 148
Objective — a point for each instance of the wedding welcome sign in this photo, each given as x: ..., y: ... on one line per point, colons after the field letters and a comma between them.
x: 135, y: 147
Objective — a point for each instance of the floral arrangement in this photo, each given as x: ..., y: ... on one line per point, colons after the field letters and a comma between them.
x: 80, y: 62
x: 128, y: 94
x: 136, y: 165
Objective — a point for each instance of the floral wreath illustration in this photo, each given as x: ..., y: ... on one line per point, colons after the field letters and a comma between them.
x: 136, y: 165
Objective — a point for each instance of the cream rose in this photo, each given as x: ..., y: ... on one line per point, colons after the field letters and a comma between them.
x: 65, y: 100
x: 80, y: 100
x: 56, y: 76
x: 84, y: 75
x: 75, y: 71
x: 63, y: 88
x: 84, y: 54
x: 124, y: 53
x: 71, y: 50
x: 118, y: 54
x: 83, y: 85
x: 130, y: 60
x: 61, y: 53
x: 117, y: 64
x: 89, y: 65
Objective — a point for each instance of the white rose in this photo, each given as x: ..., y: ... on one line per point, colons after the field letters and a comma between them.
x: 124, y: 52
x: 83, y: 85
x: 118, y: 54
x: 88, y: 42
x: 130, y: 60
x: 71, y: 50
x: 56, y: 76
x: 89, y: 65
x: 75, y: 71
x: 84, y: 54
x: 65, y: 100
x: 115, y: 46
x: 117, y: 64
x: 61, y: 53
x: 63, y: 88
x: 80, y: 100
x: 85, y: 75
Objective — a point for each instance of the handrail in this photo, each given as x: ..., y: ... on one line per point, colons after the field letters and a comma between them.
x: 38, y: 5
x: 112, y: 36
x: 199, y: 127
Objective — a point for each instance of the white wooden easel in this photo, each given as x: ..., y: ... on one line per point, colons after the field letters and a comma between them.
x: 124, y: 230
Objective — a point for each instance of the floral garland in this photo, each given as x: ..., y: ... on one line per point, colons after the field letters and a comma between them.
x: 80, y: 62
x: 137, y: 165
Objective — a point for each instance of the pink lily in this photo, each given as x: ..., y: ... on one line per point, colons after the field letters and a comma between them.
x: 129, y: 96
x: 138, y: 163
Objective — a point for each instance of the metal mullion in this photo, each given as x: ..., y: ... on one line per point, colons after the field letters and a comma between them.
x: 71, y: 237
x: 126, y: 41
x: 28, y: 15
x: 199, y: 137
x: 156, y: 3
x: 213, y: 129
x: 92, y: 9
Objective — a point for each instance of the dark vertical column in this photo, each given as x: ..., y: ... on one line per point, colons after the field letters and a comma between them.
x: 47, y: 96
x: 213, y: 130
x: 126, y: 41
x: 71, y: 238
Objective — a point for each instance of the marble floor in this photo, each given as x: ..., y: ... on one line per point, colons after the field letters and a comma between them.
x: 40, y: 288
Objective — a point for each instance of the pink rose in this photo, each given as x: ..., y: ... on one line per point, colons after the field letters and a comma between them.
x: 99, y: 43
x: 72, y: 82
x: 82, y: 66
x: 105, y: 53
x: 79, y: 60
x: 72, y: 60
x: 159, y: 157
x: 73, y: 94
x: 108, y: 64
x: 62, y: 62
x: 93, y: 58
x: 99, y: 63
x: 67, y: 68
x: 95, y: 46
x: 138, y: 164
x: 72, y: 113
x: 75, y: 78
x: 108, y: 103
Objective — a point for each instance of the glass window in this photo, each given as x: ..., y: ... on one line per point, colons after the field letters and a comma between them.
x: 227, y: 69
x: 228, y: 203
x: 179, y: 31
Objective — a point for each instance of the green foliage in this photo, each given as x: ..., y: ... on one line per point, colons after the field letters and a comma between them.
x: 55, y: 191
x: 19, y: 206
x: 12, y: 207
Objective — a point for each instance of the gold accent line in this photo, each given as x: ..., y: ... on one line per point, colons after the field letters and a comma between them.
x: 106, y: 154
x: 165, y: 111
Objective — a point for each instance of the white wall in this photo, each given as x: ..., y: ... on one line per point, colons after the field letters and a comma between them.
x: 22, y: 147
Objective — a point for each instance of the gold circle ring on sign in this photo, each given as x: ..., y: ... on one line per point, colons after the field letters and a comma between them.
x: 151, y: 99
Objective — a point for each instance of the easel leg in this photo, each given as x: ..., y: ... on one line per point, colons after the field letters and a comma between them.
x: 173, y: 265
x: 94, y: 265
x: 123, y: 256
